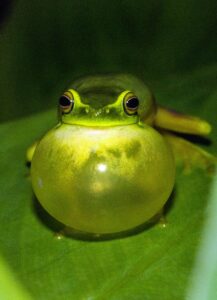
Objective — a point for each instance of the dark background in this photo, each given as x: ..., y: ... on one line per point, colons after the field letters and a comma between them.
x: 46, y: 44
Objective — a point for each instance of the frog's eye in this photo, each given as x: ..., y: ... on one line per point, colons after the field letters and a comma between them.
x: 131, y: 104
x: 66, y: 102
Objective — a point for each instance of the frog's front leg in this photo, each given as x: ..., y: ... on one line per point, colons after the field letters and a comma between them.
x: 30, y: 152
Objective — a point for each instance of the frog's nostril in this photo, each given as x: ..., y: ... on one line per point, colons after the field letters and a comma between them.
x: 98, y: 112
x: 87, y: 110
x: 107, y: 110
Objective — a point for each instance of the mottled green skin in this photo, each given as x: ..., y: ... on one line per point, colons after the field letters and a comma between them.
x: 105, y: 177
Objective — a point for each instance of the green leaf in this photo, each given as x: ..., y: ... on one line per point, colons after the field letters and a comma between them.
x: 205, y: 287
x: 9, y: 287
x: 154, y: 264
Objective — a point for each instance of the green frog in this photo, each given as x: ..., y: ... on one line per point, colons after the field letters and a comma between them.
x: 108, y: 166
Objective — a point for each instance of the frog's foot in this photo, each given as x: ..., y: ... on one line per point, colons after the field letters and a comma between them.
x: 190, y: 155
x: 72, y: 233
x: 29, y: 153
x: 60, y: 234
x: 162, y: 222
x: 159, y: 219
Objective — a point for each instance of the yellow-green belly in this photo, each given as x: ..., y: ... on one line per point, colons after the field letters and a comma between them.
x: 102, y: 180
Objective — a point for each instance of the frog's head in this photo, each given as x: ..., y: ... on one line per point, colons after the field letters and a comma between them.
x: 107, y: 101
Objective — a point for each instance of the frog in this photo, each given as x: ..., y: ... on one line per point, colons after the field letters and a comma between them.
x: 109, y: 165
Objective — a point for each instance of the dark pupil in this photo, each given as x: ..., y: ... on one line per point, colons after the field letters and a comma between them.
x: 132, y: 103
x: 64, y: 101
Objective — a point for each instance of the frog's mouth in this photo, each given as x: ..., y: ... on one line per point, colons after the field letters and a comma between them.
x: 101, y: 122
